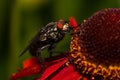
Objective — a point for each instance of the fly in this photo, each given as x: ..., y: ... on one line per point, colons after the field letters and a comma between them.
x: 49, y: 36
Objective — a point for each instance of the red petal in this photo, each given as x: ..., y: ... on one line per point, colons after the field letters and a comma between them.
x: 27, y: 72
x: 67, y: 73
x: 31, y: 67
x: 30, y: 62
x: 51, y: 69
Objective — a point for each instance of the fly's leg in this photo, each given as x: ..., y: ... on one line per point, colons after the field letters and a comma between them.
x: 72, y: 33
x: 52, y: 50
x: 42, y: 59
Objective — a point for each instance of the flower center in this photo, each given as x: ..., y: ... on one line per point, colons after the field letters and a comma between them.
x: 95, y: 51
x: 100, y: 37
x: 91, y: 69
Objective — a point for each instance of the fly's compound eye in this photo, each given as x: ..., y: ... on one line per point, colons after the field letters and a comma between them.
x: 59, y: 25
x: 63, y: 26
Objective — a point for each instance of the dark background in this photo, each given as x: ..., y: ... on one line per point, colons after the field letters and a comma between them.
x: 21, y: 19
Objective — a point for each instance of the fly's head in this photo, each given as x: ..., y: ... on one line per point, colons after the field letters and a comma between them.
x: 67, y: 26
x: 63, y: 26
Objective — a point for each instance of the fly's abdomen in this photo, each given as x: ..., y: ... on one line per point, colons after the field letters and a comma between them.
x: 34, y: 47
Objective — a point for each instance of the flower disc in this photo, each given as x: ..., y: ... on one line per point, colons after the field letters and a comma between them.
x: 100, y: 37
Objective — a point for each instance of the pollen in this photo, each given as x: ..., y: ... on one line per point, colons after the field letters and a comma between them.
x: 67, y: 63
x: 84, y: 20
x: 95, y: 51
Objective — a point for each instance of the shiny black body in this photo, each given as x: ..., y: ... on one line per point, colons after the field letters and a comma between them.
x: 46, y: 38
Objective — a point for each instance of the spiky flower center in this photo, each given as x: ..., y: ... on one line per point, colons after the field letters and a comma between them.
x: 96, y: 50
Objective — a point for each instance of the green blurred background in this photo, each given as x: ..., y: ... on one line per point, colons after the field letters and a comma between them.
x: 21, y: 19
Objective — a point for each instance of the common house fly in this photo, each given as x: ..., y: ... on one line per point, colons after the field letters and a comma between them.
x: 50, y: 35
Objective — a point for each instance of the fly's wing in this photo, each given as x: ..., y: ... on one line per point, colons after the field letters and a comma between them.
x: 39, y: 36
x: 24, y: 51
x: 30, y: 44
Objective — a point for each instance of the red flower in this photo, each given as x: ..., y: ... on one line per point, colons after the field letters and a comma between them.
x: 30, y: 67
x: 55, y: 68
x: 94, y: 53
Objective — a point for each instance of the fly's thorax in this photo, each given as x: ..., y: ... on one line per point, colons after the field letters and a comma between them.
x: 51, y: 33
